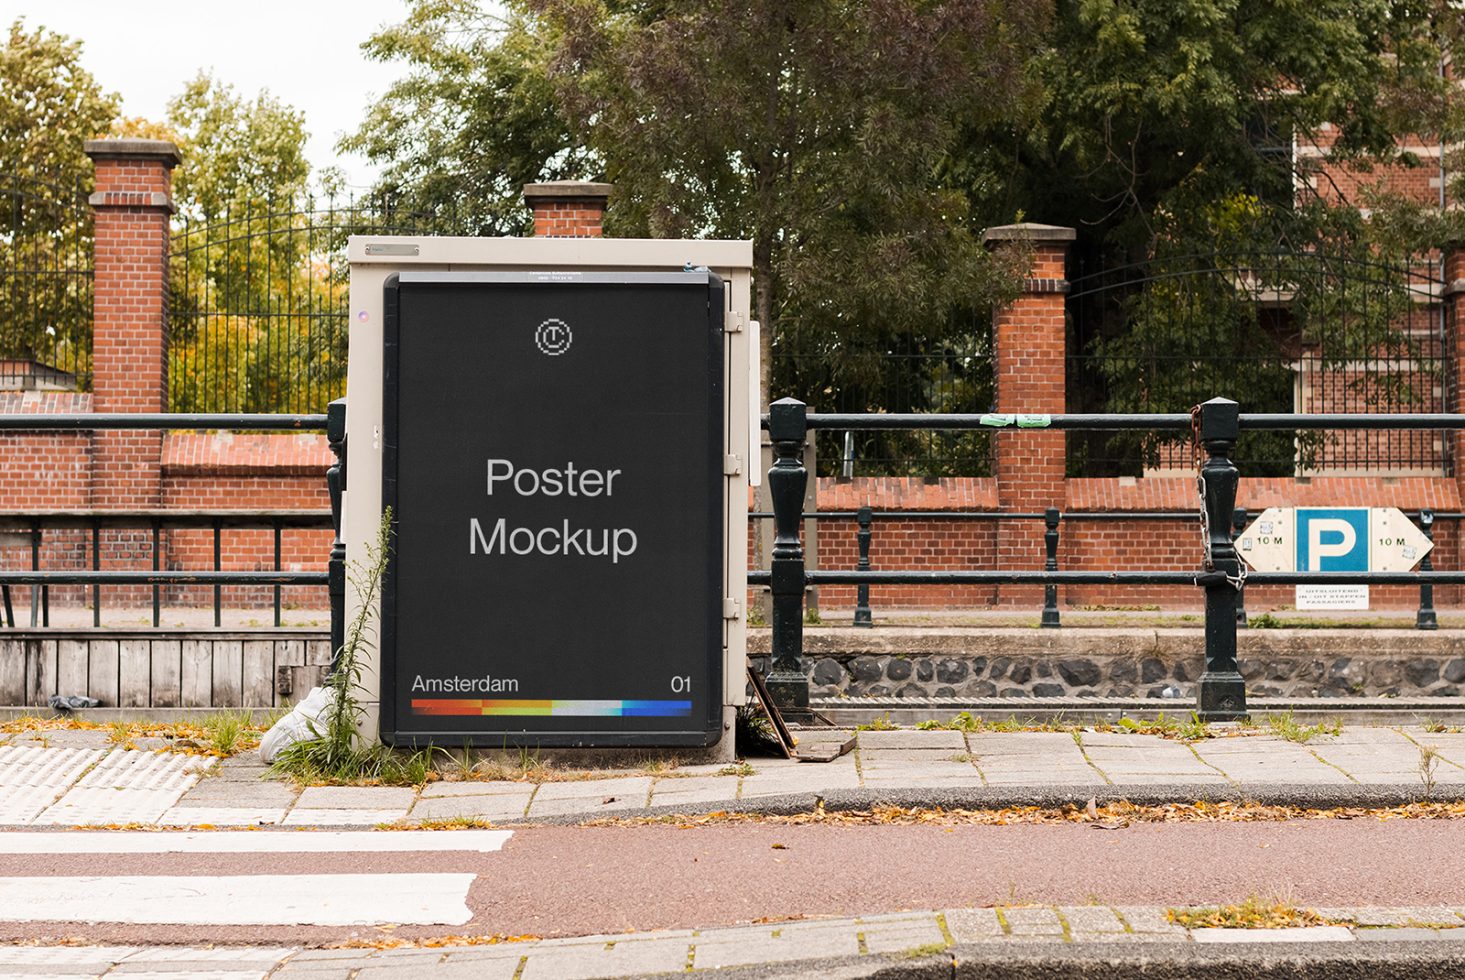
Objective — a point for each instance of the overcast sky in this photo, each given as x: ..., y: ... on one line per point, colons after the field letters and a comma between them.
x: 307, y: 52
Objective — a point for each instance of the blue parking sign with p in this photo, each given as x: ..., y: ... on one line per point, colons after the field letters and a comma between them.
x: 1332, y: 539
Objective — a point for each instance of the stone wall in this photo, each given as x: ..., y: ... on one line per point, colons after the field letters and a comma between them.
x: 1018, y: 663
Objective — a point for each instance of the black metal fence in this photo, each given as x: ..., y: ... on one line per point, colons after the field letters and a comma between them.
x: 333, y: 423
x: 865, y: 524
x: 45, y: 284
x: 1341, y: 330
x: 258, y: 304
x: 1216, y: 426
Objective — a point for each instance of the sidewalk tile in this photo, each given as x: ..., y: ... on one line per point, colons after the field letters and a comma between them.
x: 1304, y: 934
x: 327, y: 818
x: 623, y: 959
x: 1149, y: 919
x: 1411, y: 915
x: 211, y: 792
x: 223, y: 816
x: 355, y: 797
x: 901, y: 935
x: 696, y: 789
x: 753, y: 948
x: 1408, y: 934
x: 973, y: 925
x: 784, y: 783
x: 498, y: 807
x: 1091, y: 918
x: 597, y: 796
x: 1033, y: 922
x: 100, y: 958
x: 477, y: 970
x: 912, y: 739
x: 472, y: 788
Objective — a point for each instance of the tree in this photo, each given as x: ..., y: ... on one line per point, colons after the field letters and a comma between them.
x: 474, y: 119
x: 1166, y: 137
x: 817, y: 129
x: 49, y: 106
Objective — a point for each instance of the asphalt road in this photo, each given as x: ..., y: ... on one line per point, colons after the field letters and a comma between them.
x: 552, y: 881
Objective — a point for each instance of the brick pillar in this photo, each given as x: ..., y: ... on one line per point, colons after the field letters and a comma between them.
x: 132, y: 203
x: 567, y: 208
x: 1029, y: 339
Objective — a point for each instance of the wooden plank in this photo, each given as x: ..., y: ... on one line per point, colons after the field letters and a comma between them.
x: 12, y: 672
x: 318, y: 652
x: 197, y: 680
x: 289, y: 653
x: 101, y: 671
x: 305, y: 677
x: 228, y: 673
x: 71, y: 669
x: 167, y: 656
x: 259, y: 673
x: 40, y: 672
x: 134, y: 673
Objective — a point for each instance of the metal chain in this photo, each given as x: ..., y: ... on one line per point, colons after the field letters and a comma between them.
x: 1207, y: 561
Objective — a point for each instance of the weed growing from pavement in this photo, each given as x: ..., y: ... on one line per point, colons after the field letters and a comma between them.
x: 737, y: 769
x: 440, y: 823
x: 1284, y: 726
x: 335, y: 754
x: 226, y: 731
x: 1435, y: 727
x: 1254, y: 913
x: 1429, y: 761
x: 753, y: 733
x: 879, y: 724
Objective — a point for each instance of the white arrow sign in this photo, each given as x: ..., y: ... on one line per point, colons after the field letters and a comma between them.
x: 1267, y: 544
x: 1395, y: 544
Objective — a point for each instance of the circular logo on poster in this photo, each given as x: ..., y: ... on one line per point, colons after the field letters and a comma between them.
x: 553, y: 337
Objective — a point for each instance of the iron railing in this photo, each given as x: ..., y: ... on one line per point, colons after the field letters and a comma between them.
x: 1051, y: 617
x: 1216, y: 426
x: 45, y: 284
x: 333, y: 423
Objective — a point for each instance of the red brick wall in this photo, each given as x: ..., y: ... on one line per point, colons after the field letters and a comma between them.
x: 569, y: 218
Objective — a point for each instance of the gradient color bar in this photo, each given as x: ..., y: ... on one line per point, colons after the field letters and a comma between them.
x: 551, y: 708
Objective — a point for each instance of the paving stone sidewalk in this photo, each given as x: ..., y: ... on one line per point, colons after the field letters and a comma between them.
x: 906, y: 937
x: 76, y: 778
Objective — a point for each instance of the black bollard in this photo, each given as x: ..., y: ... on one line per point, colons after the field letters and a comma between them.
x: 1051, y: 517
x: 787, y: 429
x: 863, y: 617
x: 1221, y: 693
x: 1426, y: 619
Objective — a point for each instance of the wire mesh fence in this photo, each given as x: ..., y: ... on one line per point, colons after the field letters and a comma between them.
x: 1314, y: 331
x: 258, y: 308
x: 45, y: 284
x: 905, y: 373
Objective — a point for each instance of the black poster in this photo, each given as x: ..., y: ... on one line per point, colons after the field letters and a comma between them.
x: 552, y: 454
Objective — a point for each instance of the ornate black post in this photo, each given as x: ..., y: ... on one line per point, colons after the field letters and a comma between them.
x: 787, y: 429
x: 862, y: 596
x: 1222, y: 692
x: 1425, y: 619
x: 1238, y: 525
x: 1051, y: 518
x: 336, y: 482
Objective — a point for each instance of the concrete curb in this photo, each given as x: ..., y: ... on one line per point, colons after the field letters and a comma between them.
x: 1322, y: 796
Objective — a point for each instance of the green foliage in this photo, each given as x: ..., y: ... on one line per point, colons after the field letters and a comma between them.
x: 753, y: 733
x: 49, y: 106
x: 474, y: 117
x: 1286, y: 727
x: 335, y: 754
x: 225, y: 731
x: 880, y: 723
